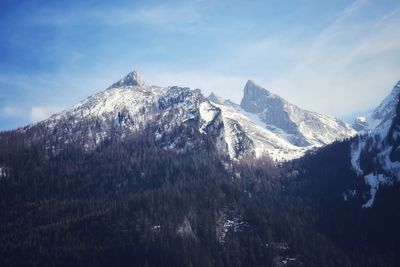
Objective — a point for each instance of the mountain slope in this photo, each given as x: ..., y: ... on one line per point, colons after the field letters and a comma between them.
x: 353, y: 191
x: 375, y: 156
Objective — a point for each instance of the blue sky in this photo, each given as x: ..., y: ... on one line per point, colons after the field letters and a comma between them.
x: 336, y: 57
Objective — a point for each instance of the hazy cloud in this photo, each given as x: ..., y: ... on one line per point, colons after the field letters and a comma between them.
x: 43, y: 112
x: 160, y: 15
x: 10, y: 111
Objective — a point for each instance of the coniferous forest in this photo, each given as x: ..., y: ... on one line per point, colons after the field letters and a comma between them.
x: 129, y: 202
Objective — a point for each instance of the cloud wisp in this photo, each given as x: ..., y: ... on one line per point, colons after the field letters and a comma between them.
x: 162, y: 15
x: 40, y: 113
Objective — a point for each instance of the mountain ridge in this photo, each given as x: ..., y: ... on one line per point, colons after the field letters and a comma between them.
x: 128, y: 104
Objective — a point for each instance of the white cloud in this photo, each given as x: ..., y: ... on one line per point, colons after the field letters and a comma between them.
x: 39, y: 113
x: 161, y: 15
x: 10, y: 111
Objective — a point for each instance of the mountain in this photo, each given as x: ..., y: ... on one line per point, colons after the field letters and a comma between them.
x: 141, y: 175
x: 275, y: 127
x: 300, y: 127
x: 263, y: 125
x: 127, y: 107
x: 163, y: 176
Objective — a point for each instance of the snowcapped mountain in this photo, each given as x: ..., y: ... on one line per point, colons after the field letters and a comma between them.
x: 300, y: 127
x: 376, y: 154
x: 263, y: 125
x: 381, y: 114
x: 246, y: 135
x: 128, y: 107
x: 275, y: 127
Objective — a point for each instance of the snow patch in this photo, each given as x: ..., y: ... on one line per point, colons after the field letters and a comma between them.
x: 356, y: 150
x: 156, y: 228
x: 361, y: 119
x: 207, y: 114
x: 374, y: 180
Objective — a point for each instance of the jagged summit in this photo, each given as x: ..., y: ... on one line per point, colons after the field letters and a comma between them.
x: 132, y: 79
x: 254, y: 97
x: 252, y: 87
x: 299, y: 127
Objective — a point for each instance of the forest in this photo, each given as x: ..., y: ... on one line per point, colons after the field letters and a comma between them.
x: 130, y: 202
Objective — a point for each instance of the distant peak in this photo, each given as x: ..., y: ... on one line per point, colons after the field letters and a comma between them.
x: 132, y: 79
x: 256, y: 98
x: 251, y: 83
x: 251, y: 89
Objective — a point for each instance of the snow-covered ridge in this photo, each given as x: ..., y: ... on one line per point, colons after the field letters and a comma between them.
x: 281, y: 128
x: 271, y: 126
x: 263, y: 125
x: 260, y: 141
x: 300, y: 127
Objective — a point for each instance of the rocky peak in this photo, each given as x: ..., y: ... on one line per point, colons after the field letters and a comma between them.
x: 132, y: 79
x: 255, y: 98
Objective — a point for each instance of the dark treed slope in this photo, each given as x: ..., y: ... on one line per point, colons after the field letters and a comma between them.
x: 355, y: 205
x: 131, y: 203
